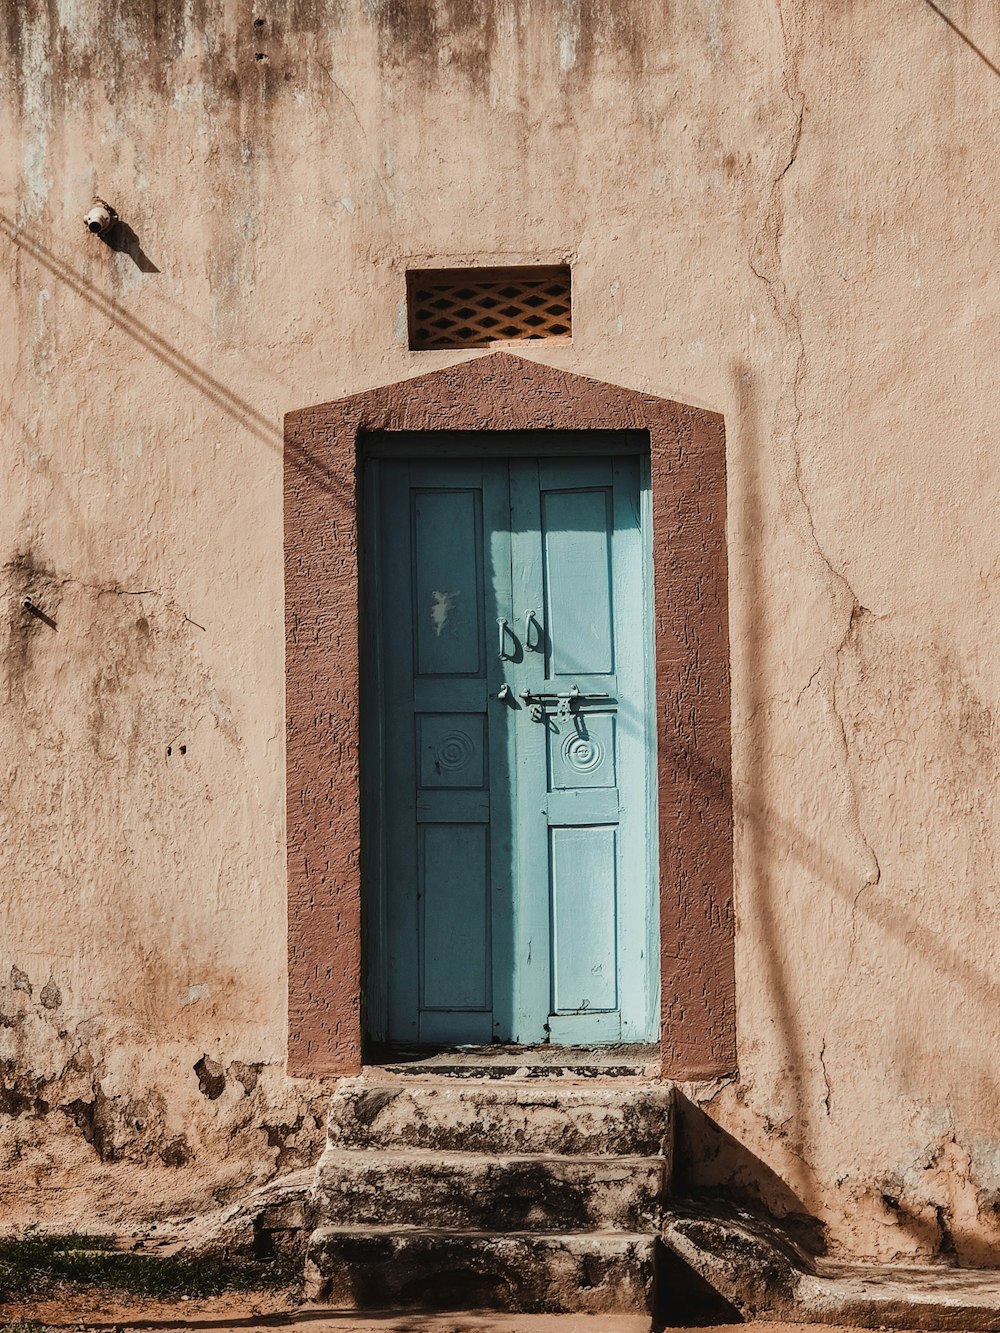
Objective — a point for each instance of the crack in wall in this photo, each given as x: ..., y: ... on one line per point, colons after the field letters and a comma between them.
x: 826, y: 1077
x: 22, y: 569
x: 787, y: 312
x: 809, y: 684
x: 389, y: 201
x: 852, y: 793
x: 786, y: 308
x: 766, y: 259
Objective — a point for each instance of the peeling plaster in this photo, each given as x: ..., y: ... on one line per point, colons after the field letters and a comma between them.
x: 77, y: 1096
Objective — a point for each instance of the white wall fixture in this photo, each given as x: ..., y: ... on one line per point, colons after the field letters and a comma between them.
x: 101, y: 218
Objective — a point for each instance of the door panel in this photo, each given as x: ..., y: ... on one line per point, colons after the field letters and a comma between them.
x: 584, y: 872
x: 585, y: 757
x: 456, y: 968
x: 576, y: 527
x: 452, y: 749
x: 517, y: 857
x: 448, y: 584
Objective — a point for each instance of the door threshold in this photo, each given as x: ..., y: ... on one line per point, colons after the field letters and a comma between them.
x: 498, y: 1061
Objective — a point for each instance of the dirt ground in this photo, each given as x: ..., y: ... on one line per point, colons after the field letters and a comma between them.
x: 269, y: 1313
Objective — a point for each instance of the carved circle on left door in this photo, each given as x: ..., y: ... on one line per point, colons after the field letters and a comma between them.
x: 453, y: 752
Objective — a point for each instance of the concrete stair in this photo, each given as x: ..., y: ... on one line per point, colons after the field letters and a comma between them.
x: 529, y: 1197
x: 470, y: 1192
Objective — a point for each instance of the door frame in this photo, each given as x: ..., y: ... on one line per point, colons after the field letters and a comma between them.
x: 496, y: 392
x: 374, y: 448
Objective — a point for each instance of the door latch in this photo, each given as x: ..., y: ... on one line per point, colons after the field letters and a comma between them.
x: 563, y: 705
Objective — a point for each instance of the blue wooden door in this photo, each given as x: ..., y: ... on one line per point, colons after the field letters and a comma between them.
x: 514, y: 738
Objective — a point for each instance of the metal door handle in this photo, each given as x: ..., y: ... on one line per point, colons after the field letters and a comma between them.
x: 502, y: 624
x: 530, y: 622
x: 503, y: 694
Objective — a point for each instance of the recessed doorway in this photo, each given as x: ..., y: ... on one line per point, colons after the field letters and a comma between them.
x: 338, y: 983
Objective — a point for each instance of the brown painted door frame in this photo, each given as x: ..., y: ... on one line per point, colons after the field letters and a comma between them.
x: 322, y: 559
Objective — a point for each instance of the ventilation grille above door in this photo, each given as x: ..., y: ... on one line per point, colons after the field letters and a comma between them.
x: 473, y: 307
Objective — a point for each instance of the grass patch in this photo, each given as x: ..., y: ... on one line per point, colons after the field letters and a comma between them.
x: 37, y: 1264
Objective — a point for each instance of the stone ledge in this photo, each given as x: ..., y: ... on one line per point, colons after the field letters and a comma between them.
x: 755, y: 1267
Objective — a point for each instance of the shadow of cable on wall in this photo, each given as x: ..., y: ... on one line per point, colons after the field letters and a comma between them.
x: 963, y: 36
x: 214, y: 391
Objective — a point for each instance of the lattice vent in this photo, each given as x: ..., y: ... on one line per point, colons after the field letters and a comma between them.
x: 472, y: 307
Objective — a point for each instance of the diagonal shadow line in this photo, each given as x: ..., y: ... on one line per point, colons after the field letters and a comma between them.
x: 828, y: 869
x: 965, y: 38
x: 241, y: 411
x: 152, y: 341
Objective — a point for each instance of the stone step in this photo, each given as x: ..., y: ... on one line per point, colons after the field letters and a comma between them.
x: 626, y: 1060
x: 615, y: 1119
x: 526, y: 1272
x: 469, y: 1191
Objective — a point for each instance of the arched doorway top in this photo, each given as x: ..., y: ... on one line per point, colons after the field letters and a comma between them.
x: 501, y: 391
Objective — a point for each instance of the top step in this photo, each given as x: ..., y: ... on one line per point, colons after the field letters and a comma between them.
x: 503, y: 1116
x: 527, y: 1062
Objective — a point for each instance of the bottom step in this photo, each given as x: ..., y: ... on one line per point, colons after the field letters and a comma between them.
x: 367, y: 1268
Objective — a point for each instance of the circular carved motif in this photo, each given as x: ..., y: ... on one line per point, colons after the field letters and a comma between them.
x: 454, y: 751
x: 584, y: 753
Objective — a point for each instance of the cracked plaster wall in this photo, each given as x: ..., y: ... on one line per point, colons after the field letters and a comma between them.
x: 781, y: 211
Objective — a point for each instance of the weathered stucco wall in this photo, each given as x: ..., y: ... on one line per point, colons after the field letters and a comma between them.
x: 784, y: 212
